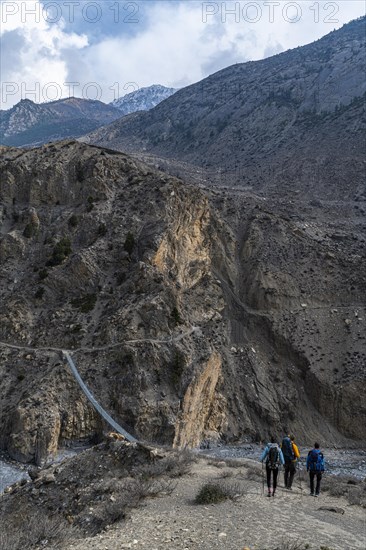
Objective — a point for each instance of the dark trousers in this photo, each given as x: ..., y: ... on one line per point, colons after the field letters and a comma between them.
x: 290, y: 470
x: 318, y: 480
x: 274, y: 473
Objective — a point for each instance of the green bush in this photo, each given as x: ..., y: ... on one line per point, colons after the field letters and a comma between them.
x: 102, y: 230
x: 177, y: 367
x: 90, y: 204
x: 175, y: 315
x: 30, y: 230
x: 43, y: 274
x: 39, y: 294
x: 73, y: 221
x: 129, y: 243
x: 60, y: 252
x: 211, y: 493
x: 85, y: 303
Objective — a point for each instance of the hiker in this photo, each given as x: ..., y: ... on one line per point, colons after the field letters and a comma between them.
x: 274, y: 457
x: 290, y: 453
x: 315, y: 467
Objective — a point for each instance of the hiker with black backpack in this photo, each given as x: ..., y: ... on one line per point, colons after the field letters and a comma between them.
x: 290, y: 454
x: 273, y: 456
x: 315, y: 466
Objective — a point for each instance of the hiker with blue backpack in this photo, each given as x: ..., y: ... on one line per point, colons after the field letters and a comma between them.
x: 291, y: 455
x: 315, y: 467
x: 273, y: 456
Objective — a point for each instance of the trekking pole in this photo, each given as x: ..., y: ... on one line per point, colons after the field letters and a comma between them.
x: 300, y: 476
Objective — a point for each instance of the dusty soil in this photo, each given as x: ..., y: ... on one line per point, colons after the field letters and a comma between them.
x: 252, y: 520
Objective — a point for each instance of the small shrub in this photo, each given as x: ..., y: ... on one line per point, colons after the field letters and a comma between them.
x: 43, y: 274
x: 129, y: 243
x: 30, y: 230
x: 121, y: 277
x: 73, y: 221
x: 177, y: 367
x: 40, y: 531
x: 39, y: 293
x: 85, y: 303
x: 211, y: 493
x: 102, y: 230
x: 60, y: 252
x: 215, y: 492
x: 90, y: 204
x: 175, y: 315
x: 294, y: 545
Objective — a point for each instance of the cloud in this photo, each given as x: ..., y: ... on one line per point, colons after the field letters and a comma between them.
x: 32, y: 53
x: 174, y: 43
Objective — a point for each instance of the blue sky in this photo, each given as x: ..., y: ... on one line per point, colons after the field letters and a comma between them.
x: 103, y: 49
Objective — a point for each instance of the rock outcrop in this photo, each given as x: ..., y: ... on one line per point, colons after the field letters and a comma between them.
x: 191, y: 314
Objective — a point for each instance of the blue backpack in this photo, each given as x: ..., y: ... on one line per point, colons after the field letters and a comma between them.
x: 316, y: 461
x: 287, y: 451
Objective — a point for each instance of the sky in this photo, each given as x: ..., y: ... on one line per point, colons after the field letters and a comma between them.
x: 104, y: 49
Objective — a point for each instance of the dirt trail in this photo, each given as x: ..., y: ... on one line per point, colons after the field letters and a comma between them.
x: 253, y: 520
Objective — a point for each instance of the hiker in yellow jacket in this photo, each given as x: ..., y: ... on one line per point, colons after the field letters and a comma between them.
x: 290, y: 453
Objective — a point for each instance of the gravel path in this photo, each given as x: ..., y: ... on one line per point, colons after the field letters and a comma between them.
x: 253, y: 520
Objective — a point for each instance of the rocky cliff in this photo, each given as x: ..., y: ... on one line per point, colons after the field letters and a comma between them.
x: 191, y: 313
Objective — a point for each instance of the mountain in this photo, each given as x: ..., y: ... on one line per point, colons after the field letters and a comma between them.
x: 294, y: 122
x: 142, y: 99
x: 29, y: 123
x: 192, y: 313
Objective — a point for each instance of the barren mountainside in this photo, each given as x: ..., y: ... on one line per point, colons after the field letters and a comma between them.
x: 295, y: 121
x: 192, y: 313
x: 29, y: 123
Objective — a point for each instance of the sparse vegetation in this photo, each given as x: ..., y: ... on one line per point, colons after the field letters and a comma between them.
x: 216, y: 492
x: 175, y: 315
x: 40, y: 531
x: 60, y: 252
x: 85, y: 303
x: 293, y: 545
x: 121, y: 277
x: 43, y: 274
x: 102, y: 230
x: 73, y: 221
x: 177, y: 367
x: 129, y: 243
x: 30, y: 230
x: 90, y: 204
x: 39, y: 293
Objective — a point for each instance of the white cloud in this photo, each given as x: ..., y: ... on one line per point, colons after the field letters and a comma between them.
x: 174, y: 43
x: 40, y: 52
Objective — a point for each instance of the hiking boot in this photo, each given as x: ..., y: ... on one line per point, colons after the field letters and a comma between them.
x: 316, y: 494
x: 269, y: 493
x: 273, y: 494
x: 312, y: 494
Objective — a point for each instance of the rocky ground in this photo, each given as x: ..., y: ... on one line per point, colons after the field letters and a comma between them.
x: 86, y: 496
x: 193, y: 312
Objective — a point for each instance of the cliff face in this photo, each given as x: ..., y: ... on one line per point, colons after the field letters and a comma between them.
x: 99, y: 252
x: 191, y: 314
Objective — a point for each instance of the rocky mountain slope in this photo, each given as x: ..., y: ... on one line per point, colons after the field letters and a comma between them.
x: 292, y: 121
x: 191, y: 313
x: 29, y: 123
x: 142, y: 99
